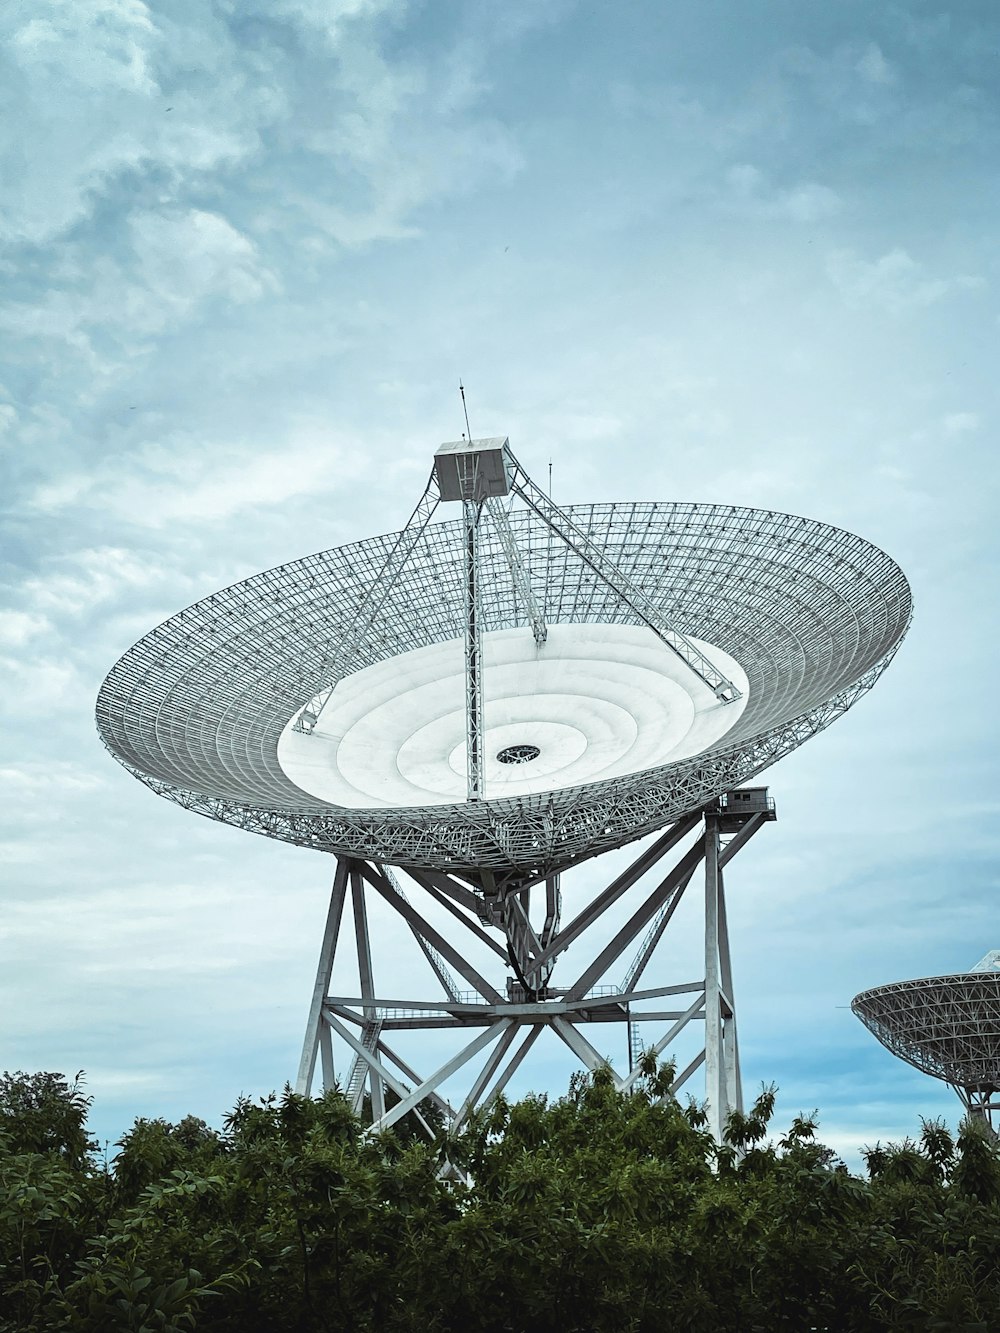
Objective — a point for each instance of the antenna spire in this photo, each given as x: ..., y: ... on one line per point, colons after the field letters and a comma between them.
x: 465, y: 409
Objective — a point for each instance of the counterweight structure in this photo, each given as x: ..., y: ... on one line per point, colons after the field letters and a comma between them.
x: 948, y: 1027
x: 486, y: 702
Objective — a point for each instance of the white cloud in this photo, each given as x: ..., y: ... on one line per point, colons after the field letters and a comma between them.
x: 894, y: 282
x: 110, y: 36
x: 59, y: 780
x: 21, y: 853
x: 745, y: 179
x: 42, y: 683
x: 84, y: 580
x: 183, y: 480
x: 808, y: 201
x: 960, y: 423
x: 329, y: 17
x: 187, y: 256
x: 181, y: 258
x: 17, y: 627
x: 874, y: 67
x: 408, y: 132
x: 706, y: 421
x: 104, y: 86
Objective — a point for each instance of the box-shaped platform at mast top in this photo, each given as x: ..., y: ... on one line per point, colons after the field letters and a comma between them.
x: 473, y: 469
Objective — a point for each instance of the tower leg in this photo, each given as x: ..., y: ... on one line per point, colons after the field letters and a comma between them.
x: 317, y: 1032
x: 730, y: 1042
x: 715, y: 1065
x: 373, y: 1024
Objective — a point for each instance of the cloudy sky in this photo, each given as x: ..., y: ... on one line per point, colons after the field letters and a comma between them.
x: 696, y: 249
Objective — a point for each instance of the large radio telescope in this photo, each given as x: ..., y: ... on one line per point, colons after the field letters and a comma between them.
x: 948, y: 1027
x: 489, y: 700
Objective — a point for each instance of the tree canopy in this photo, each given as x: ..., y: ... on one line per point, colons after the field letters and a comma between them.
x: 595, y: 1211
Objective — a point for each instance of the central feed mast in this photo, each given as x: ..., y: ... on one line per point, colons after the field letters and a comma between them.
x: 476, y: 472
x: 479, y: 473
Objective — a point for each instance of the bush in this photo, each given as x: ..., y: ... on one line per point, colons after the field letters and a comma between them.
x: 595, y: 1211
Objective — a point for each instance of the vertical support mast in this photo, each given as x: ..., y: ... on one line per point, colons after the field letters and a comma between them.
x: 473, y: 471
x: 471, y: 511
x: 715, y: 1071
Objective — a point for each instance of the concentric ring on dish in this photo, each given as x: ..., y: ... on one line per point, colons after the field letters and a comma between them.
x: 598, y: 701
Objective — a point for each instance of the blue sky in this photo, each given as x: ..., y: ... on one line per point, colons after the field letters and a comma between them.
x: 701, y: 251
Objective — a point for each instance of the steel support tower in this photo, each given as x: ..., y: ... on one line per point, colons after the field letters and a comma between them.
x: 497, y: 1022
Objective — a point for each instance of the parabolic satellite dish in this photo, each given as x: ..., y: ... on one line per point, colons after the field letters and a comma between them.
x: 593, y: 732
x: 946, y: 1026
x: 489, y: 700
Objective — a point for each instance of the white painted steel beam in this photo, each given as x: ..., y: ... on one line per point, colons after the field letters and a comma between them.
x: 324, y: 972
x: 695, y: 1010
x: 672, y: 884
x: 443, y: 946
x: 519, y: 574
x: 439, y: 1076
x: 474, y: 666
x: 562, y: 525
x: 715, y: 1083
x: 338, y: 659
x: 583, y: 1049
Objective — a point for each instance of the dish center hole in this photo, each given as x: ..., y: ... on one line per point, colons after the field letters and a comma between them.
x: 519, y: 754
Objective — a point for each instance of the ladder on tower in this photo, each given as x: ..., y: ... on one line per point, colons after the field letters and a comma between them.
x: 635, y: 1043
x: 370, y: 1034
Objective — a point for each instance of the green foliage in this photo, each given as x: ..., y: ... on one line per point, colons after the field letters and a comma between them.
x: 42, y: 1113
x: 596, y: 1211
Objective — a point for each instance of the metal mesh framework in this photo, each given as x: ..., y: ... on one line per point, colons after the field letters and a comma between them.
x: 946, y: 1026
x: 195, y: 709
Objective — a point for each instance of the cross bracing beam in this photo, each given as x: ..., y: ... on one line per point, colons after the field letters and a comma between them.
x: 413, y: 918
x: 489, y: 1071
x: 339, y: 657
x: 670, y: 887
x: 519, y: 574
x: 607, y: 1006
x: 444, y: 899
x: 381, y: 1053
x: 693, y: 1011
x: 598, y: 905
x: 378, y: 1074
x: 432, y: 955
x: 507, y: 1019
x: 655, y: 933
x: 633, y: 596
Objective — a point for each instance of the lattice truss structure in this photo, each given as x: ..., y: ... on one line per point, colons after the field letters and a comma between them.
x: 496, y: 1022
x: 196, y: 709
x: 948, y: 1027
